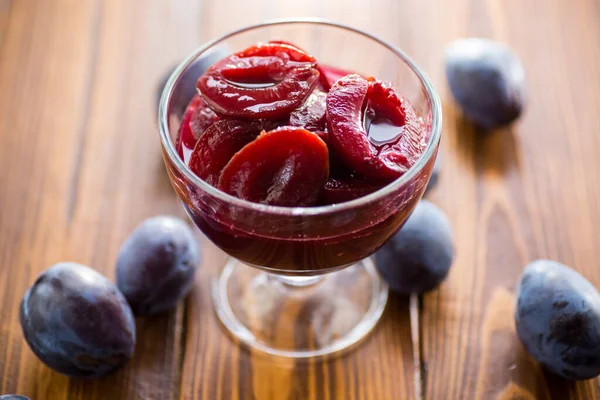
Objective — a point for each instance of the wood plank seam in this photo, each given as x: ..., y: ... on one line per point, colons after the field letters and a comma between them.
x: 82, y: 124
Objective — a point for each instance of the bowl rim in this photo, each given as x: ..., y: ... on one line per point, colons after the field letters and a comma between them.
x: 169, y: 146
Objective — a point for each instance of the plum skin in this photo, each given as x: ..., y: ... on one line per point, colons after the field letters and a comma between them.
x: 13, y: 397
x: 487, y: 80
x: 417, y: 258
x: 557, y: 316
x: 77, y: 322
x: 157, y: 264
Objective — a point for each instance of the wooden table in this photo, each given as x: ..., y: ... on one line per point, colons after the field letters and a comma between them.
x: 80, y: 166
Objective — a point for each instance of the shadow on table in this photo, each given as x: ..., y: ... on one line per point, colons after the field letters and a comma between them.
x: 152, y: 370
x: 492, y: 152
x: 387, y: 348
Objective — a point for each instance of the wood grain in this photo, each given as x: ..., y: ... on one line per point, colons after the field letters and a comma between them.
x: 80, y: 166
x: 513, y: 196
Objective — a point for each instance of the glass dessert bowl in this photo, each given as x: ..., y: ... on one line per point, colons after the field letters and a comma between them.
x: 300, y: 282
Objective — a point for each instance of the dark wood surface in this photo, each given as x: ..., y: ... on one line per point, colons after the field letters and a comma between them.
x: 80, y: 166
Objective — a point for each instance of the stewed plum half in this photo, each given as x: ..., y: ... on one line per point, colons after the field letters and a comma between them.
x: 287, y: 166
x: 219, y: 144
x: 197, y: 118
x: 354, y: 103
x: 268, y: 80
x: 312, y: 114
